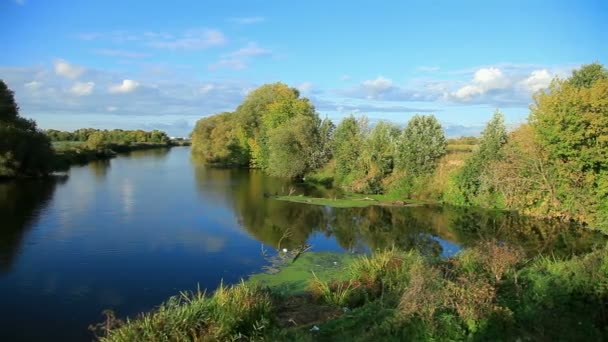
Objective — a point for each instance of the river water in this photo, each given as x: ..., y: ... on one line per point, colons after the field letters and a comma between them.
x: 126, y: 234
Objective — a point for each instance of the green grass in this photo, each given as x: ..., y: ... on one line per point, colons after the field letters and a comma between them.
x: 351, y: 200
x: 484, y: 294
x: 296, y: 276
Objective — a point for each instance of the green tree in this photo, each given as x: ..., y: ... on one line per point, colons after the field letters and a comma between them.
x: 292, y: 147
x: 24, y: 150
x: 420, y: 146
x: 349, y: 138
x: 587, y: 75
x: 571, y: 123
x: 473, y: 180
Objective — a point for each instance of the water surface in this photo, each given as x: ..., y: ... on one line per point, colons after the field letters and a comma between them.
x: 126, y: 234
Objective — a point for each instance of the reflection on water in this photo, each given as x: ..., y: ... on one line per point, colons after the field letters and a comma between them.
x: 20, y: 204
x: 127, y: 233
x: 432, y: 229
x: 99, y: 168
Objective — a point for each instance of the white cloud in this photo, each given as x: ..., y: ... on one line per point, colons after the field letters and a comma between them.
x: 67, y: 70
x: 376, y: 87
x: 126, y: 86
x: 345, y: 78
x: 490, y: 78
x: 120, y: 53
x: 20, y: 2
x: 467, y: 92
x: 111, y: 108
x: 33, y: 85
x: 82, y: 88
x: 538, y: 79
x: 228, y: 63
x: 247, y: 20
x: 251, y: 49
x: 484, y: 80
x: 192, y: 40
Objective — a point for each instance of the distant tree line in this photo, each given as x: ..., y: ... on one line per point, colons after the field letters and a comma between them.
x: 96, y: 138
x: 554, y: 165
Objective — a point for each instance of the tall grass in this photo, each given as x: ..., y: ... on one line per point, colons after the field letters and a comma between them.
x: 234, y: 312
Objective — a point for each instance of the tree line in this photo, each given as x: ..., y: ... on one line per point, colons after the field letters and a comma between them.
x: 96, y: 138
x: 554, y: 165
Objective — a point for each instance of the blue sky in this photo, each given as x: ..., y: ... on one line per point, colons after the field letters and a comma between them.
x: 164, y: 64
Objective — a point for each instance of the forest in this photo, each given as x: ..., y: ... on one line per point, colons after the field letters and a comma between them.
x: 554, y: 165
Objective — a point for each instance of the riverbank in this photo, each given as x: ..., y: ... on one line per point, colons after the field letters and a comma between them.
x: 76, y: 153
x: 353, y: 201
x: 488, y: 292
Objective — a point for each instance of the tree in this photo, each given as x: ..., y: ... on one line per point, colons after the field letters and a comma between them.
x: 24, y: 150
x: 421, y: 145
x: 587, y: 75
x: 570, y: 121
x: 473, y: 180
x: 292, y: 147
x: 348, y: 143
x: 380, y: 147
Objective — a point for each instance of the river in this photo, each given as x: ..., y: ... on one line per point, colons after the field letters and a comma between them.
x: 127, y: 233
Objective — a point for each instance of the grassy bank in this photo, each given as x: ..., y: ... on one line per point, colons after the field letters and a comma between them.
x: 69, y: 153
x: 489, y: 292
x: 351, y: 200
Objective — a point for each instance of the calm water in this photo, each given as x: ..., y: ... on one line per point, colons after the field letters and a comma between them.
x: 128, y: 233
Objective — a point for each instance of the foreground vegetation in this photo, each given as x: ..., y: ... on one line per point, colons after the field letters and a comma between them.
x: 555, y: 165
x: 489, y: 292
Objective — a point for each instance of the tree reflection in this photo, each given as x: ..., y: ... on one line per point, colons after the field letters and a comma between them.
x: 271, y: 221
x: 20, y: 204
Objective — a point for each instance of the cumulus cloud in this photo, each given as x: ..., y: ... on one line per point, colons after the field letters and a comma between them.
x: 382, y: 88
x: 484, y: 80
x: 494, y: 86
x: 538, y: 79
x: 67, y: 70
x: 126, y: 86
x: 377, y: 86
x: 82, y: 88
x: 159, y: 98
x: 247, y: 20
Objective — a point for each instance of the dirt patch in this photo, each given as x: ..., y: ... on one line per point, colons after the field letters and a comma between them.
x: 302, y: 310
